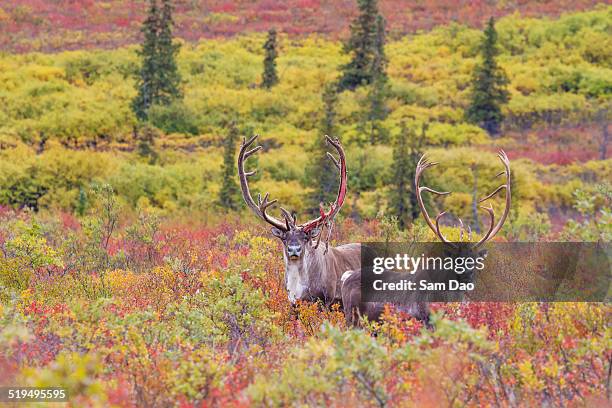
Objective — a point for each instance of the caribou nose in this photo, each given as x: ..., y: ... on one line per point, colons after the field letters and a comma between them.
x: 294, y: 250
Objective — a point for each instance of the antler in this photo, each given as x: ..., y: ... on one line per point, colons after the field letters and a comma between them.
x: 506, y: 186
x: 326, y: 218
x: 260, y: 209
x: 423, y: 164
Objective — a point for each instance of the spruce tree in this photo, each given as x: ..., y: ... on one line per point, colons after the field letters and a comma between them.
x: 229, y: 195
x: 270, y: 77
x: 379, y: 62
x: 406, y: 154
x: 158, y: 82
x: 82, y: 202
x: 365, y: 45
x: 488, y: 86
x: 377, y: 111
x: 321, y: 173
x: 147, y: 80
x: 169, y: 77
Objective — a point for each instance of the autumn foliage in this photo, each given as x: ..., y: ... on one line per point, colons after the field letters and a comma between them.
x: 161, y: 313
x: 69, y: 24
x: 124, y: 278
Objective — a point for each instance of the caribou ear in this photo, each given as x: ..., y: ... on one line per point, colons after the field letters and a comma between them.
x: 278, y: 233
x: 313, y: 233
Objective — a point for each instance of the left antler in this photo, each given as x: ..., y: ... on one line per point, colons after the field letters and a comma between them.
x: 506, y: 186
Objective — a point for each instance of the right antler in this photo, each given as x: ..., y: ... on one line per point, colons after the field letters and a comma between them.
x: 260, y: 209
x: 423, y: 164
x: 506, y: 186
x: 326, y: 217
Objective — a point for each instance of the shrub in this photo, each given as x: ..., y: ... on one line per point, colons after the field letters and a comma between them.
x: 174, y: 118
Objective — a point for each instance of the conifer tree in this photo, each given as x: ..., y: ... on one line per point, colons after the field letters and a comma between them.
x: 229, y: 195
x: 159, y: 80
x: 488, y: 86
x: 321, y: 173
x: 270, y: 77
x: 406, y: 154
x: 170, y: 79
x: 365, y: 45
x: 377, y: 111
x: 82, y: 202
x: 379, y: 62
x: 147, y: 81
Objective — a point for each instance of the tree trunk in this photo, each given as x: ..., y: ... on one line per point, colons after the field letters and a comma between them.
x: 475, y: 223
x: 603, y: 148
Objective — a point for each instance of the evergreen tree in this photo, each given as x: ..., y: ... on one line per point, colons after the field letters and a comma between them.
x: 147, y: 81
x: 366, y: 46
x: 406, y: 154
x: 377, y: 111
x: 270, y: 77
x: 321, y: 173
x: 158, y: 81
x: 82, y: 202
x: 488, y: 86
x: 379, y: 62
x: 169, y: 77
x: 229, y: 195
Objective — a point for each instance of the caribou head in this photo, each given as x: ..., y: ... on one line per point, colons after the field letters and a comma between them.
x: 465, y: 247
x: 311, y: 271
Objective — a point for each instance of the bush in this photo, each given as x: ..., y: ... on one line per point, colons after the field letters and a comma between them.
x: 175, y: 118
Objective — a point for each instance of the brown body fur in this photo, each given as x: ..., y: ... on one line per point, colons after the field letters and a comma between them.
x: 354, y: 308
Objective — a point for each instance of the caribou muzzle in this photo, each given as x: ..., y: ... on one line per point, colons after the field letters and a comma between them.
x: 294, y: 252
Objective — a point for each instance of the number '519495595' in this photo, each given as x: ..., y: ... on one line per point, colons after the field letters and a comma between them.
x: 32, y: 394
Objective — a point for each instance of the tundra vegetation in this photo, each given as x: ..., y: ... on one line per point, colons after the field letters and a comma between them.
x: 126, y: 277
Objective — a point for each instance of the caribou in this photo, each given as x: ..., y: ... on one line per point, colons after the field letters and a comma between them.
x: 354, y: 309
x: 312, y: 271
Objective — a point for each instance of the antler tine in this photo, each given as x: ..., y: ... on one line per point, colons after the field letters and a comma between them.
x: 503, y: 157
x: 439, y: 233
x: 497, y: 190
x: 431, y: 190
x: 260, y: 208
x: 250, y: 141
x: 491, y: 213
x: 424, y: 164
x: 289, y: 219
x: 263, y: 205
x: 252, y: 151
x: 333, y: 141
x: 336, y: 163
